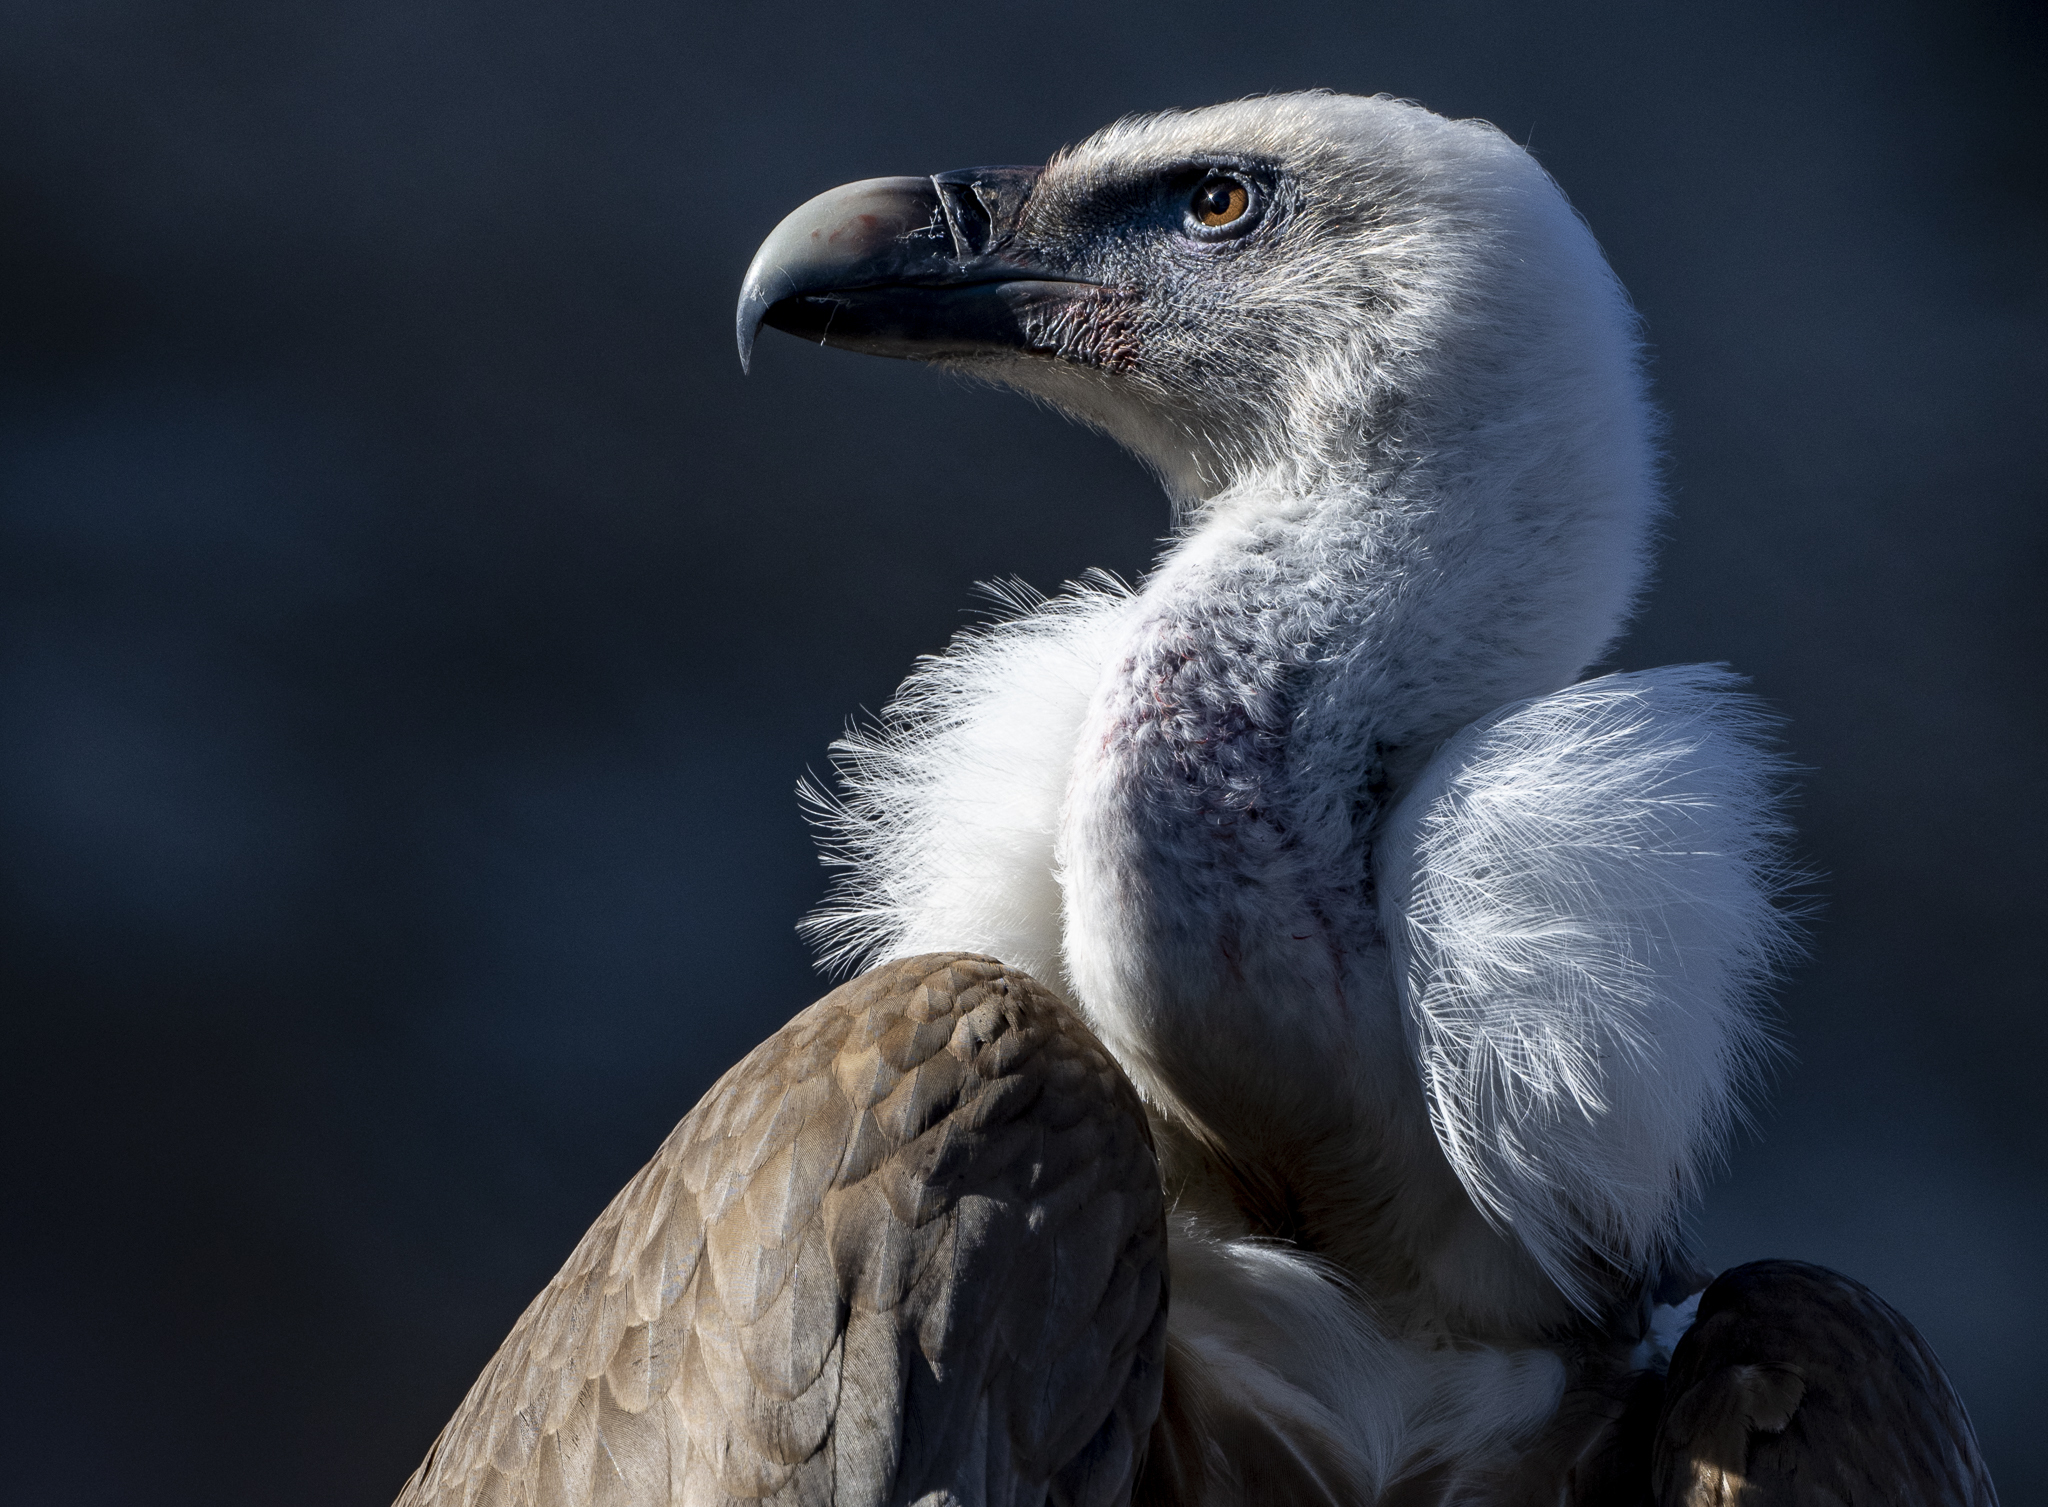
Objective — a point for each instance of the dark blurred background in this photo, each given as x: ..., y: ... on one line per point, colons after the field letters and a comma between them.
x: 415, y: 626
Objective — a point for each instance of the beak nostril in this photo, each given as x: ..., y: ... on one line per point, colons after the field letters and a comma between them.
x: 982, y: 205
x: 967, y: 215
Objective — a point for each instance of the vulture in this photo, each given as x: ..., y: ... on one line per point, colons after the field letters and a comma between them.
x: 1300, y: 1001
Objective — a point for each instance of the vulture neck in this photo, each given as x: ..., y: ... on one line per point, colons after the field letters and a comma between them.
x: 1374, y: 604
x: 1290, y: 666
x: 1446, y: 538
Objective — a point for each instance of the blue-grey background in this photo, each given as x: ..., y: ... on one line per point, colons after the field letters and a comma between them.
x: 414, y: 626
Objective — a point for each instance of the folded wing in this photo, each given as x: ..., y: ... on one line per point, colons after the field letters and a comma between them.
x: 913, y: 1243
x: 1796, y: 1385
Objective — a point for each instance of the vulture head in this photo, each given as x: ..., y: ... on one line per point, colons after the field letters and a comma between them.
x: 1309, y: 296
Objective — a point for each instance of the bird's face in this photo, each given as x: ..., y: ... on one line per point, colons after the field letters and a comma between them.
x: 1207, y: 287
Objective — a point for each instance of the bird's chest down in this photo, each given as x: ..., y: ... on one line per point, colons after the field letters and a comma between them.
x: 1220, y: 923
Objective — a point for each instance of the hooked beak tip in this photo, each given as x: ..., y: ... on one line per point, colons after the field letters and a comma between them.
x: 748, y: 326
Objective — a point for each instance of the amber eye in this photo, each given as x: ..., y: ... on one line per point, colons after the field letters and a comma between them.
x: 1220, y: 202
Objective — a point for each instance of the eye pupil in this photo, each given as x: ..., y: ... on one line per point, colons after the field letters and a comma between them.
x: 1219, y: 202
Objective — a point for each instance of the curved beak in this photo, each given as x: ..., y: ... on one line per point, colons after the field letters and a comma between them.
x: 911, y: 267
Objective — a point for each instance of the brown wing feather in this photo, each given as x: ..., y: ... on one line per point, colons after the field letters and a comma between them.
x: 914, y: 1241
x: 1796, y: 1385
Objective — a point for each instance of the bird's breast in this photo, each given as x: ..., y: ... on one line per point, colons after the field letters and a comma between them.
x: 1219, y: 920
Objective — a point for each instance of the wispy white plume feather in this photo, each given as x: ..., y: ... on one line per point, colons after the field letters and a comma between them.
x: 1580, y: 894
x: 948, y: 808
